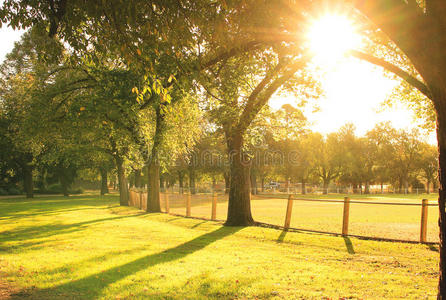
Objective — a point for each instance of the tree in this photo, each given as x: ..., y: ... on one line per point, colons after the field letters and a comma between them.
x: 428, y: 163
x: 328, y: 159
x: 418, y: 31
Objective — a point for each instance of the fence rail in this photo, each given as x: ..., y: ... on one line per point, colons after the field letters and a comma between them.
x: 184, y: 200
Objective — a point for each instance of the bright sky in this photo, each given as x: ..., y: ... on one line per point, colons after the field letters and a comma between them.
x: 8, y: 36
x: 354, y: 89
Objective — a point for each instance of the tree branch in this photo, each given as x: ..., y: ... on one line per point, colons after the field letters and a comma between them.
x: 413, y: 81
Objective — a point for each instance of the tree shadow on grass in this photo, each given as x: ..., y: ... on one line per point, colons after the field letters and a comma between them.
x: 91, y: 286
x: 25, y: 234
x: 19, y: 208
x: 433, y: 247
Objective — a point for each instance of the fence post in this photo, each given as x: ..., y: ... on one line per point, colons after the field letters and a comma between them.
x: 423, y: 220
x: 166, y: 201
x: 188, y: 204
x: 289, y: 209
x: 345, y: 216
x: 214, y: 206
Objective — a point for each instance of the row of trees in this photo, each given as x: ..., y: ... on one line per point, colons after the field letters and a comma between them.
x: 251, y: 50
x: 288, y: 152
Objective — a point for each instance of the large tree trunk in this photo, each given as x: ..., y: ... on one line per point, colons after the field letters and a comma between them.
x: 428, y: 187
x: 153, y: 192
x: 239, y: 205
x: 304, y: 188
x: 122, y: 181
x: 263, y: 184
x: 441, y: 138
x: 153, y: 168
x: 104, y: 181
x: 28, y: 178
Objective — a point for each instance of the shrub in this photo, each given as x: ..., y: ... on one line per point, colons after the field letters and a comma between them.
x: 54, y: 188
x: 14, y: 191
x: 76, y: 191
x: 3, y: 192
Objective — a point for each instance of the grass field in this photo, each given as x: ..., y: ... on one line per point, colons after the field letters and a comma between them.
x: 385, y: 221
x: 86, y: 247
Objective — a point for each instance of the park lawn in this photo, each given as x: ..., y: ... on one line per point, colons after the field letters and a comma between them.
x: 370, y: 220
x: 87, y: 247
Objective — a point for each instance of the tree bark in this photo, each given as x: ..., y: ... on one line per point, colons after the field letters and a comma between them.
x: 263, y: 184
x: 153, y: 168
x: 239, y: 205
x: 153, y: 192
x: 441, y: 138
x: 304, y: 188
x: 122, y: 181
x: 428, y: 187
x: 104, y: 181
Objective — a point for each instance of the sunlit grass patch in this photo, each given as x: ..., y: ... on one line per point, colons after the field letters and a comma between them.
x: 89, y: 248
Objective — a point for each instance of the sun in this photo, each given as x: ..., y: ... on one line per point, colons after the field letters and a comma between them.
x: 331, y: 36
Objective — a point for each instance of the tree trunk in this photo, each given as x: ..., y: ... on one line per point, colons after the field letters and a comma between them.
x: 153, y: 193
x: 180, y: 181
x: 441, y: 138
x: 428, y: 187
x: 192, y: 180
x: 239, y: 205
x: 227, y: 177
x: 367, y: 188
x: 138, y: 178
x: 163, y: 182
x: 122, y: 182
x: 253, y: 183
x: 263, y: 184
x: 28, y: 178
x: 326, y: 182
x: 104, y: 181
x: 304, y: 187
x: 64, y: 183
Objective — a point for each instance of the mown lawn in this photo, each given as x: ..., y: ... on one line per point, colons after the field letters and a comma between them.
x: 382, y: 221
x: 86, y: 247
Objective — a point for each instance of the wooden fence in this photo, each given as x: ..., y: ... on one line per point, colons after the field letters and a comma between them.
x: 346, y: 212
x: 139, y: 199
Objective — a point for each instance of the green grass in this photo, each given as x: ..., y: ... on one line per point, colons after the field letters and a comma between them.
x: 381, y: 221
x: 87, y: 247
